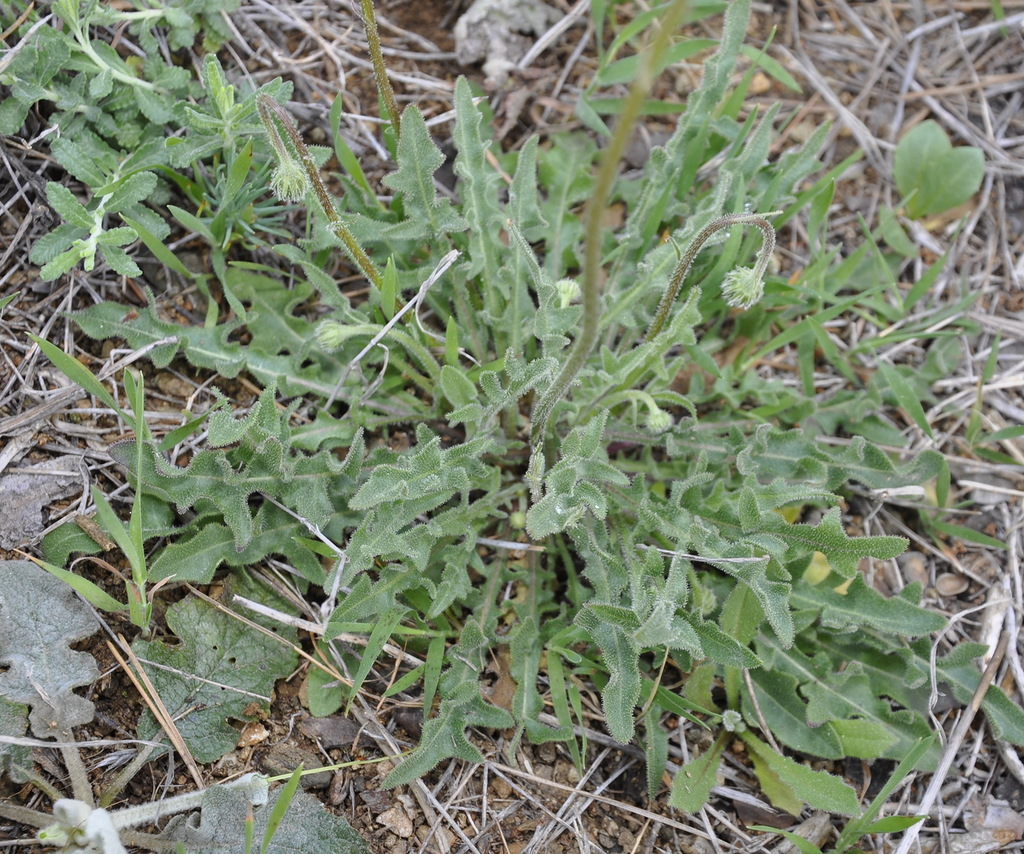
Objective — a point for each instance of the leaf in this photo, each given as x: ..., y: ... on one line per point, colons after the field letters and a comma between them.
x: 845, y: 552
x: 195, y: 554
x: 349, y: 162
x: 692, y: 785
x: 70, y: 209
x: 804, y: 846
x: 862, y: 606
x: 894, y: 235
x: 565, y: 174
x: 841, y: 696
x: 60, y: 265
x: 260, y: 460
x: 818, y: 789
x: 1005, y: 717
x: 906, y: 397
x: 462, y: 706
x: 155, y: 245
x: 427, y: 217
x: 282, y: 804
x: 119, y: 262
x: 13, y: 112
x: 14, y: 724
x: 40, y: 617
x: 307, y: 827
x: 156, y: 108
x: 379, y: 636
x: 459, y: 390
x: 774, y: 788
x: 214, y: 672
x: 574, y: 486
x: 894, y: 823
x: 88, y: 590
x: 656, y: 742
x: 280, y: 350
x: 786, y: 715
x: 939, y: 176
x: 135, y: 188
x: 525, y: 648
x: 719, y: 646
x: 797, y: 456
x: 620, y: 654
x: 479, y: 190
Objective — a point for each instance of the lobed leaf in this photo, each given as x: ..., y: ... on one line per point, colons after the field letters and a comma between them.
x: 211, y: 676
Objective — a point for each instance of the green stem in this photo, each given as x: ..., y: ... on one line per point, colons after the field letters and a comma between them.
x: 380, y: 69
x: 606, y: 175
x: 683, y: 267
x: 69, y: 13
x: 269, y: 110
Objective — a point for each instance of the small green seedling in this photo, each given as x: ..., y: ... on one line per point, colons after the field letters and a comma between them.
x: 932, y: 175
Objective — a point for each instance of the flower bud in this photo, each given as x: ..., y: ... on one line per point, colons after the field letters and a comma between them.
x: 289, y: 181
x: 658, y: 420
x: 568, y: 291
x: 732, y: 721
x: 743, y: 287
x: 331, y: 335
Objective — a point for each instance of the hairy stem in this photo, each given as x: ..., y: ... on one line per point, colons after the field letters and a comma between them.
x: 269, y: 111
x: 606, y: 175
x: 683, y: 267
x: 380, y: 70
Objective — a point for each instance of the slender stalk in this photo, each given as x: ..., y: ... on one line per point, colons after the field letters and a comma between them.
x: 606, y: 175
x: 380, y: 70
x: 269, y: 110
x: 683, y: 267
x: 76, y: 769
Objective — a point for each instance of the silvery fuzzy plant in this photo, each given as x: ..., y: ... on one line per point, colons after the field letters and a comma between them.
x: 81, y: 828
x: 642, y: 547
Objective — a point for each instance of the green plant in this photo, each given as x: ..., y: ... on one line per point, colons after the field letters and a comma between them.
x: 932, y: 175
x: 128, y: 538
x: 867, y: 822
x: 111, y: 118
x: 678, y: 531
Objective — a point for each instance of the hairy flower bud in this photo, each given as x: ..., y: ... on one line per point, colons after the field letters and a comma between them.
x: 568, y: 291
x: 732, y: 721
x: 330, y: 335
x: 658, y: 420
x: 289, y: 181
x: 743, y: 287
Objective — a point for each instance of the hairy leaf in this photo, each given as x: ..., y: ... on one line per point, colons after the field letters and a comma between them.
x: 213, y: 673
x: 40, y: 617
x: 462, y: 706
x: 307, y: 826
x: 427, y: 217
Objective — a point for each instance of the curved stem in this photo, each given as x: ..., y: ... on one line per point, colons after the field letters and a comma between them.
x: 606, y: 175
x: 683, y: 267
x: 270, y: 110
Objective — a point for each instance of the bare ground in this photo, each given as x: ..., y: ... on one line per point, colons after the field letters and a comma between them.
x: 873, y: 68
